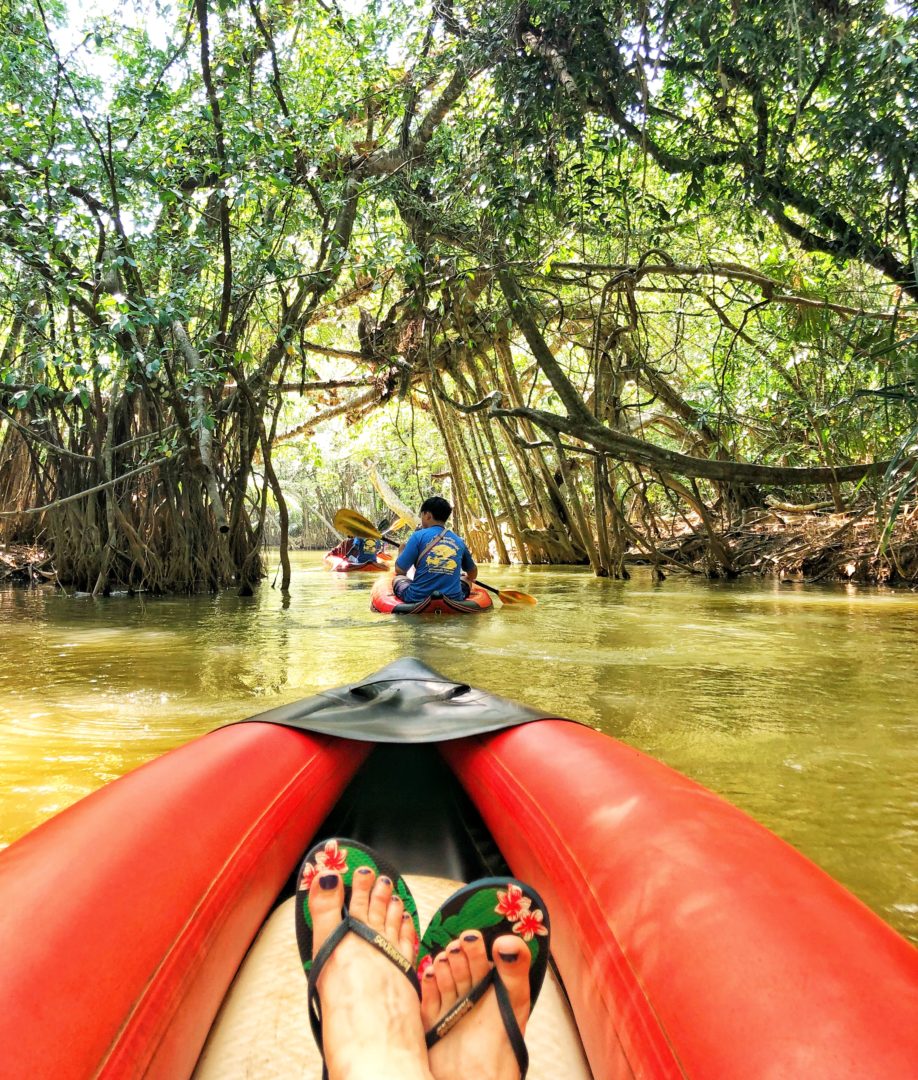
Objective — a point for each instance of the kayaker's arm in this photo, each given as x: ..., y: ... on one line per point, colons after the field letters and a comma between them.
x: 407, y: 555
x: 469, y: 566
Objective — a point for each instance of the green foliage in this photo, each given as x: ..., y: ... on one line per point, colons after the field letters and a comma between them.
x: 777, y: 137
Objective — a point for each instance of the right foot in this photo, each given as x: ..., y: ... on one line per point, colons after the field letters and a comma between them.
x: 478, y: 1045
x: 371, y: 1024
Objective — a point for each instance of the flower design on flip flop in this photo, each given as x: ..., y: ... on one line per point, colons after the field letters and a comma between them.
x: 530, y: 925
x: 512, y: 903
x: 332, y: 858
x: 424, y: 965
x: 308, y: 873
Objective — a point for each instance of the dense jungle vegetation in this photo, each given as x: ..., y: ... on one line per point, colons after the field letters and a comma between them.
x: 618, y: 277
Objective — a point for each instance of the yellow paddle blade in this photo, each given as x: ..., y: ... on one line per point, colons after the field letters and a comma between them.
x: 508, y: 596
x: 512, y: 596
x: 351, y: 523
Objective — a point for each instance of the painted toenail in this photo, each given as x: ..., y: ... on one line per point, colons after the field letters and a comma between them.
x: 385, y: 881
x: 328, y: 881
x: 364, y: 870
x: 406, y: 917
x: 428, y: 974
x: 509, y: 958
x: 455, y: 949
x: 470, y: 937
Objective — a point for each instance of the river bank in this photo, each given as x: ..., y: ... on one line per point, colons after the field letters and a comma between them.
x: 800, y: 545
x: 795, y: 545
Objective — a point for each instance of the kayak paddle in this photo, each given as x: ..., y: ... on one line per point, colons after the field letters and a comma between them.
x: 353, y: 524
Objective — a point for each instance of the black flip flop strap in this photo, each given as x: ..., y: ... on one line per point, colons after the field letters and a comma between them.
x: 467, y: 1003
x: 373, y: 937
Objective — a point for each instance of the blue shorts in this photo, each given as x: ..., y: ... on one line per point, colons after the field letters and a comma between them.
x: 401, y: 584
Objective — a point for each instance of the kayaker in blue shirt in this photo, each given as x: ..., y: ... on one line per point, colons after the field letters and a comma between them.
x: 356, y: 550
x: 362, y: 551
x: 438, y: 555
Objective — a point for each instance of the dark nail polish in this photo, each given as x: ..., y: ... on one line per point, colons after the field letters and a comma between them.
x: 328, y: 881
x: 509, y: 958
x: 470, y: 937
x: 455, y: 949
x: 406, y: 916
x: 364, y: 870
x: 385, y: 881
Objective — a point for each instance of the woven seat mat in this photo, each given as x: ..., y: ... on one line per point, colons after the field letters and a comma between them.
x: 262, y: 1031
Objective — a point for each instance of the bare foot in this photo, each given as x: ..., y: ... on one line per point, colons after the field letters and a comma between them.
x: 371, y: 1022
x: 478, y: 1044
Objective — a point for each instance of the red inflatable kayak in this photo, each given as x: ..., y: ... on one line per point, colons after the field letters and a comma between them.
x: 341, y: 565
x: 691, y: 941
x: 383, y: 599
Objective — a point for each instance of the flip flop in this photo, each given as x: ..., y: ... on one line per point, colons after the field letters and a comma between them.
x: 345, y: 857
x: 492, y: 906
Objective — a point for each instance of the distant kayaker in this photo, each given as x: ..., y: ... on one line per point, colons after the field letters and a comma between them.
x: 356, y: 550
x: 442, y: 563
x: 362, y: 551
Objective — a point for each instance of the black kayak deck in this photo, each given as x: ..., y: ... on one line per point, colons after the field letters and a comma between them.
x: 404, y: 702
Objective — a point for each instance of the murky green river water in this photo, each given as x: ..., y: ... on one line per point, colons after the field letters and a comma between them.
x: 798, y: 704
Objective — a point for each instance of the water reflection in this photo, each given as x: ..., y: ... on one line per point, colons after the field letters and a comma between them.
x: 795, y: 703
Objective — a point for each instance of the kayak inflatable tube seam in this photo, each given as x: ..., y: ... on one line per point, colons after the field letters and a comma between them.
x: 691, y: 940
x: 153, y: 886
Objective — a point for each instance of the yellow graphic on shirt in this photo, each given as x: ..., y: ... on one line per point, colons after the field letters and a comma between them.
x: 442, y: 558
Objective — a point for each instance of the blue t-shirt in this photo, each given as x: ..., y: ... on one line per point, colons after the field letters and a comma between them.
x: 441, y: 567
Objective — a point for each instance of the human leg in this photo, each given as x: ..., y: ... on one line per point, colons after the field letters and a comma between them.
x: 400, y: 585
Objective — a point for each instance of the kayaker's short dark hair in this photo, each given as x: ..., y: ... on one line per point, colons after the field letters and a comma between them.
x: 438, y: 507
